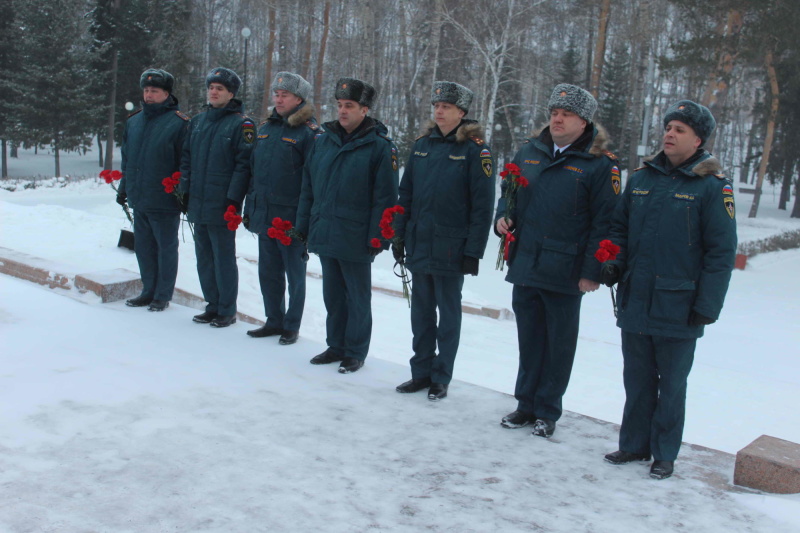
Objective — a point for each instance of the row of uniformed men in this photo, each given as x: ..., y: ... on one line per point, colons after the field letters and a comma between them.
x: 674, y: 224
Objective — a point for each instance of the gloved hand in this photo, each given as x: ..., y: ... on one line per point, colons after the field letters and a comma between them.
x: 469, y: 265
x: 373, y: 252
x: 122, y: 198
x: 236, y: 205
x: 399, y: 252
x: 184, y: 203
x: 696, y: 319
x: 246, y: 222
x: 609, y: 274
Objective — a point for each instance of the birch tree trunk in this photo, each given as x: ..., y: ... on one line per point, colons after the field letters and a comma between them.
x: 773, y: 114
x: 323, y: 43
x: 266, y: 100
x: 600, y: 48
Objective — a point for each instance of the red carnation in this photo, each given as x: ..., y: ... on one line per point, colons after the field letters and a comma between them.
x: 116, y: 175
x: 375, y: 242
x: 387, y: 233
x: 232, y: 218
x: 607, y: 251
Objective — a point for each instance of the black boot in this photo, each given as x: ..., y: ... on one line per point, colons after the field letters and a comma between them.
x: 662, y: 469
x: 205, y: 318
x: 288, y: 337
x: 223, y: 321
x: 158, y: 305
x: 414, y: 385
x: 438, y: 391
x: 350, y: 365
x: 622, y: 458
x: 544, y: 428
x: 264, y: 331
x: 326, y: 357
x: 139, y: 301
x: 517, y: 419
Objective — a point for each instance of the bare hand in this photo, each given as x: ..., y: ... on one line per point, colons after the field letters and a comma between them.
x: 503, y: 225
x: 587, y: 285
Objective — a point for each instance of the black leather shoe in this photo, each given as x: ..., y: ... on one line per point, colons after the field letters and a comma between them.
x: 205, y: 318
x: 622, y: 458
x: 325, y: 358
x: 438, y: 391
x: 517, y: 419
x: 288, y: 337
x: 414, y: 385
x: 158, y: 305
x: 264, y: 331
x: 350, y: 365
x: 139, y: 301
x: 544, y: 428
x: 662, y: 469
x: 223, y: 321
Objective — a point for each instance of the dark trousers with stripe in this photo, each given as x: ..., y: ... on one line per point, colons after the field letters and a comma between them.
x: 429, y: 293
x: 347, y: 292
x: 547, y: 330
x: 277, y: 265
x: 156, y: 247
x: 655, y: 375
x: 215, y: 247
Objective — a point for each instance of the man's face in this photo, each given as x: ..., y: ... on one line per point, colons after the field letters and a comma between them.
x: 154, y: 95
x: 351, y: 114
x: 680, y: 142
x: 447, y: 116
x: 218, y: 95
x: 285, y: 101
x: 565, y: 126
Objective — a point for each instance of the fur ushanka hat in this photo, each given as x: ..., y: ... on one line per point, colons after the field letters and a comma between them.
x: 353, y: 89
x: 452, y: 93
x: 226, y: 77
x: 694, y: 115
x: 155, y: 77
x: 295, y: 84
x: 573, y: 98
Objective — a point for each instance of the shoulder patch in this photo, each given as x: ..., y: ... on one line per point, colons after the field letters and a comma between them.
x: 477, y: 140
x: 249, y: 131
x: 182, y: 115
x: 610, y: 155
x: 313, y: 126
x: 616, y: 184
x: 485, y: 153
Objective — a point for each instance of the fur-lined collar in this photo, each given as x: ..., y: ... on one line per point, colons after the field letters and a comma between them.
x: 467, y: 130
x: 599, y: 143
x: 710, y: 166
x: 299, y: 117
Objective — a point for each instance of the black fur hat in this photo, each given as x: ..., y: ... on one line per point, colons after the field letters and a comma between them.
x: 353, y: 89
x: 694, y: 115
x: 226, y: 77
x: 155, y: 77
x: 452, y: 93
x: 573, y: 98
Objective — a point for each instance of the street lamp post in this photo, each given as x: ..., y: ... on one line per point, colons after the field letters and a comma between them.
x: 246, y: 34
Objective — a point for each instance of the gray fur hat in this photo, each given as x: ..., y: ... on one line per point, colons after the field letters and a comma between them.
x: 353, y: 89
x: 694, y: 115
x: 155, y: 77
x: 294, y: 83
x: 574, y: 99
x: 452, y: 93
x: 226, y: 77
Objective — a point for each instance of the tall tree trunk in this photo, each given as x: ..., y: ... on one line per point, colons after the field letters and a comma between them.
x: 267, y: 98
x: 786, y: 185
x: 773, y: 114
x: 600, y: 48
x: 99, y: 151
x: 112, y: 101
x: 323, y: 43
x: 57, y: 156
x: 306, y: 65
x: 5, y: 160
x: 796, y: 209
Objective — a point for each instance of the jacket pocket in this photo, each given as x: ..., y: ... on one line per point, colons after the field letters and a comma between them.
x: 351, y: 225
x: 672, y: 300
x: 557, y: 259
x: 448, y: 246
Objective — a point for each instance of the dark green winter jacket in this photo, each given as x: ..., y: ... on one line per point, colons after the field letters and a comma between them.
x: 346, y: 188
x: 677, y: 234
x: 563, y: 214
x: 151, y: 151
x: 215, y: 166
x: 276, y: 164
x: 447, y: 192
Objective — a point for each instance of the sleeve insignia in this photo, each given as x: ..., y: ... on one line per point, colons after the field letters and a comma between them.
x: 249, y: 131
x: 729, y: 206
x: 486, y: 164
x: 394, y: 160
x: 312, y: 125
x: 485, y: 153
x: 727, y: 189
x: 615, y: 179
x: 477, y: 140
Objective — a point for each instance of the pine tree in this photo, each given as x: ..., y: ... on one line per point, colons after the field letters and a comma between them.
x: 9, y: 40
x: 613, y: 104
x: 55, y: 108
x: 570, y: 69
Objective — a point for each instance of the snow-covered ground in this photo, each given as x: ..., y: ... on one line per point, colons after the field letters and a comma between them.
x: 115, y: 419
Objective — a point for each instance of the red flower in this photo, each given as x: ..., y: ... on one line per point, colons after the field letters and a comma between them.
x: 116, y: 175
x: 387, y: 233
x: 607, y: 251
x: 232, y: 218
x: 512, y: 169
x: 285, y: 240
x: 273, y: 233
x: 522, y: 181
x: 375, y: 242
x: 507, y: 245
x: 602, y: 255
